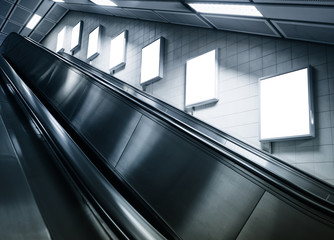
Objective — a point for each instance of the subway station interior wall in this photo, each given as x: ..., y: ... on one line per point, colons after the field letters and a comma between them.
x: 243, y: 59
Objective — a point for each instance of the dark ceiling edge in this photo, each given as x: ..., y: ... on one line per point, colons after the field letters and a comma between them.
x: 8, y: 15
x: 54, y: 24
x: 39, y: 23
x: 198, y: 15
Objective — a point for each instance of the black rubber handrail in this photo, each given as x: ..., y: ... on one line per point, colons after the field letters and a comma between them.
x: 274, y: 173
x: 303, y: 185
x: 213, y: 133
x: 121, y: 215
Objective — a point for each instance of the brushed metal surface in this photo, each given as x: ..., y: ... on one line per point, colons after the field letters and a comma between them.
x: 118, y: 211
x: 268, y: 162
x: 105, y: 121
x: 274, y: 219
x: 183, y: 180
x: 198, y: 196
x: 20, y: 217
x: 61, y: 206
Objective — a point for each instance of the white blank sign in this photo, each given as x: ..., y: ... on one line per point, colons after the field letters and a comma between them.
x: 61, y: 40
x: 118, y: 51
x: 286, y: 109
x: 76, y: 36
x: 152, y: 62
x: 93, y: 44
x: 201, y: 79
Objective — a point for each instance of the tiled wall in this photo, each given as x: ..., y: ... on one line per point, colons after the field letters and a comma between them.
x: 243, y: 59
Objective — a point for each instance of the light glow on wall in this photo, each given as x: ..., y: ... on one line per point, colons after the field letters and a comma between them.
x: 286, y: 108
x: 152, y: 62
x: 76, y: 36
x: 201, y: 79
x: 118, y: 51
x: 226, y: 9
x: 94, y: 44
x: 61, y: 40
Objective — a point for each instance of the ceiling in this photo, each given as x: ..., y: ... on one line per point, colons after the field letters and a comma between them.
x: 308, y: 20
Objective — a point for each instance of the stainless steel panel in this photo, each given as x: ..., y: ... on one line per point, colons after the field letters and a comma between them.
x: 97, y: 188
x: 6, y: 149
x: 63, y: 209
x: 106, y: 122
x: 19, y: 215
x: 275, y: 219
x: 196, y: 195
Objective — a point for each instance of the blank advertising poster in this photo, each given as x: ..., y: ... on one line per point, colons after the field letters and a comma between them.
x: 201, y: 79
x: 286, y: 106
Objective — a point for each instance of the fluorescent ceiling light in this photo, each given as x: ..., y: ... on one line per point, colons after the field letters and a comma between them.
x: 58, y: 1
x: 228, y: 9
x: 104, y: 3
x: 33, y: 21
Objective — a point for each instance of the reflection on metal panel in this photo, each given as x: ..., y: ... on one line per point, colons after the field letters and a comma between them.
x: 276, y: 220
x: 19, y: 214
x: 196, y: 194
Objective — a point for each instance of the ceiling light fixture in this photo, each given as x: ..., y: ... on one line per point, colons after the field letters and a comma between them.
x: 61, y: 1
x: 104, y: 3
x: 228, y: 9
x: 33, y: 21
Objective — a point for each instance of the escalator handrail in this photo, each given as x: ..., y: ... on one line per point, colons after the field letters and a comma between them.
x: 213, y: 133
x: 128, y: 221
x: 264, y: 172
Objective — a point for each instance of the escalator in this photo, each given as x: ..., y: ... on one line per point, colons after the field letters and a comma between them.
x: 145, y: 170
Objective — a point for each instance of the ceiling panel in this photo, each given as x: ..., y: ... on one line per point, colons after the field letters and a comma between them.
x: 56, y: 13
x: 119, y: 12
x: 45, y: 26
x: 86, y: 8
x: 11, y: 27
x: 304, y: 31
x: 246, y: 25
x: 87, y: 2
x: 36, y: 36
x: 44, y: 7
x: 242, y: 1
x: 20, y: 15
x: 315, y: 2
x: 2, y: 37
x: 300, y: 13
x: 154, y: 5
x: 5, y: 8
x: 183, y: 18
x: 146, y: 15
x: 30, y: 4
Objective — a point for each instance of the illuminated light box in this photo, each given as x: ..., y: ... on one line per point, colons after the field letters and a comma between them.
x: 201, y: 79
x: 61, y: 40
x: 286, y: 106
x: 152, y: 57
x: 118, y: 51
x: 94, y: 43
x: 76, y: 36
